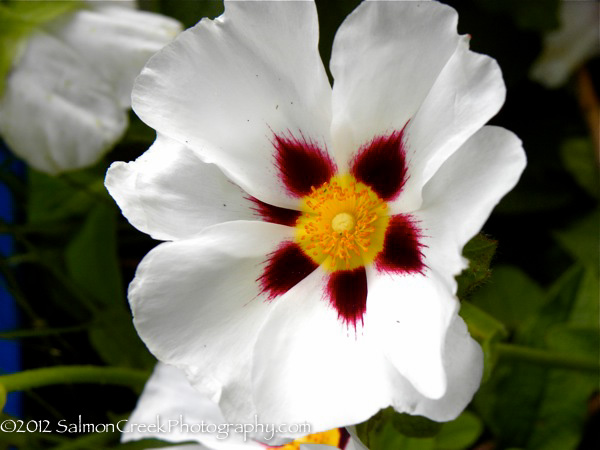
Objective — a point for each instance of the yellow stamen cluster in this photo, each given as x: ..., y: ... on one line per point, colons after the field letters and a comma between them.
x: 331, y: 437
x: 343, y: 224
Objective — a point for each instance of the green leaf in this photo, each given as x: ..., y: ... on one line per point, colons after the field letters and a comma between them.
x: 510, y: 296
x: 582, y: 240
x: 487, y: 330
x: 18, y: 19
x: 59, y: 198
x: 479, y: 251
x: 510, y: 402
x: 92, y: 260
x: 114, y: 338
x: 579, y: 159
x: 460, y: 433
x: 414, y: 426
x: 575, y: 340
x: 586, y: 309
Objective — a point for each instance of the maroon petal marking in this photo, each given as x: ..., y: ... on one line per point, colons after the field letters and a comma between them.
x: 344, y: 438
x: 302, y: 164
x: 381, y: 165
x: 285, y: 267
x: 401, y: 247
x: 274, y: 214
x: 347, y: 291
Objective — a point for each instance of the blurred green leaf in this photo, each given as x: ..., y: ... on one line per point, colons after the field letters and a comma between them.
x: 92, y: 259
x: 414, y: 426
x: 414, y: 434
x: 479, y: 251
x: 510, y: 296
x: 578, y: 157
x: 487, y: 330
x: 511, y: 403
x: 114, y: 338
x: 582, y: 240
x: 59, y: 198
x: 460, y: 433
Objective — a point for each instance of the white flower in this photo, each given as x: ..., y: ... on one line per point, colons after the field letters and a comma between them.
x: 170, y: 409
x: 323, y: 289
x: 566, y: 48
x: 67, y: 95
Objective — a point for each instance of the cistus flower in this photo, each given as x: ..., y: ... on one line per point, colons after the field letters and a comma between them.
x: 170, y: 409
x: 569, y: 46
x: 68, y: 90
x: 316, y: 231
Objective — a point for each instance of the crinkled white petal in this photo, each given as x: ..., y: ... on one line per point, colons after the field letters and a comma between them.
x: 197, y: 305
x: 409, y: 316
x: 463, y: 364
x: 460, y: 197
x: 115, y: 41
x: 57, y: 112
x: 169, y: 193
x: 225, y: 86
x: 170, y: 409
x: 386, y: 57
x: 466, y: 94
x: 571, y: 45
x: 311, y: 367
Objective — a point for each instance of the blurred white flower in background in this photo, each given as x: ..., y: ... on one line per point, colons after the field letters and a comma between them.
x: 575, y: 41
x: 68, y: 89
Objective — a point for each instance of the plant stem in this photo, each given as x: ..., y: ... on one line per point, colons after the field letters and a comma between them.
x: 47, y: 376
x: 546, y: 358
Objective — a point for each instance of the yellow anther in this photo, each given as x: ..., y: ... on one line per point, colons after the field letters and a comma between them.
x: 343, y: 224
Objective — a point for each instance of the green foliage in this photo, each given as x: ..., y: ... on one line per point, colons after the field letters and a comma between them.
x: 389, y: 430
x: 579, y: 159
x: 479, y: 251
x: 18, y: 19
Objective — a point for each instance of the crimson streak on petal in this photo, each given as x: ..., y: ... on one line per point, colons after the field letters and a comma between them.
x: 347, y: 291
x: 274, y: 214
x: 285, y: 267
x: 381, y: 165
x: 302, y: 164
x: 401, y: 247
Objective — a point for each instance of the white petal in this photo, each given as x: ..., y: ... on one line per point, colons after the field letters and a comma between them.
x: 197, y: 305
x: 467, y: 93
x: 115, y: 41
x: 463, y: 364
x: 459, y: 198
x: 385, y: 59
x: 56, y: 112
x: 311, y: 367
x: 168, y: 396
x: 225, y: 86
x: 410, y: 315
x: 169, y: 193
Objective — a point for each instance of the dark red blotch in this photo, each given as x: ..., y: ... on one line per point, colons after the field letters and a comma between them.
x: 302, y: 164
x: 285, y: 267
x: 381, y: 165
x: 347, y: 290
x: 401, y: 247
x: 274, y: 214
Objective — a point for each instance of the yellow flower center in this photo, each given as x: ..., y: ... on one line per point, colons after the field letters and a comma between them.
x: 343, y: 224
x: 331, y: 437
